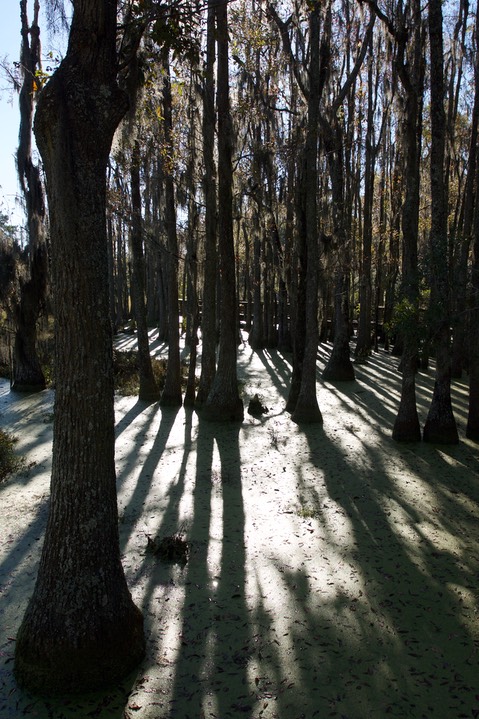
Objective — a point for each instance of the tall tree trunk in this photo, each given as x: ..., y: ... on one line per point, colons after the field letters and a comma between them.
x: 440, y: 424
x: 224, y: 402
x: 81, y: 629
x: 171, y: 395
x: 148, y: 391
x: 208, y: 312
x: 339, y: 366
x: 472, y: 429
x: 406, y: 425
x: 27, y: 372
x: 306, y: 408
x: 364, y: 343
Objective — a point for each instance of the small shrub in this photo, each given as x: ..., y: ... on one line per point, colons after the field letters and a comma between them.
x: 9, y: 461
x: 125, y: 369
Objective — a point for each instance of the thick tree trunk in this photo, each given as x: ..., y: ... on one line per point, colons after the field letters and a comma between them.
x: 224, y: 402
x: 81, y: 629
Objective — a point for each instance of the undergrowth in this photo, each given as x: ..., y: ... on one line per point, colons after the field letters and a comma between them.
x: 125, y: 368
x: 9, y: 461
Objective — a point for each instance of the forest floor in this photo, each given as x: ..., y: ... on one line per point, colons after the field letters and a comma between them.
x: 331, y: 572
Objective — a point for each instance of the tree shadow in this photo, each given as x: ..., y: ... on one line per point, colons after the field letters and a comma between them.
x: 214, y: 651
x: 394, y: 636
x: 197, y: 661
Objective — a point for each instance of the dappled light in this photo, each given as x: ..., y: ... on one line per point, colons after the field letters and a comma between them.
x: 331, y: 571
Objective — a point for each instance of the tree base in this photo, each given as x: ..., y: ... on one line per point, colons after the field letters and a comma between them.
x: 232, y: 411
x: 171, y: 400
x: 472, y: 432
x: 149, y: 393
x: 28, y: 387
x: 406, y: 432
x: 444, y: 433
x: 339, y: 372
x: 307, y: 413
x: 54, y: 667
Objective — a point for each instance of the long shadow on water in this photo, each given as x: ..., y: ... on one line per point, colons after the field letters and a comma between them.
x: 212, y: 662
x: 392, y: 638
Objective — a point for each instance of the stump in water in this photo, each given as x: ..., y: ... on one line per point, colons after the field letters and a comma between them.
x: 173, y: 550
x: 255, y: 408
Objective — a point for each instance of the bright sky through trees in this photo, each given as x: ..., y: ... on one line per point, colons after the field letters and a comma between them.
x: 10, y: 40
x: 9, y: 116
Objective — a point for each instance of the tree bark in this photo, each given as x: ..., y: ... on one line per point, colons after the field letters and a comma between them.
x: 224, y: 402
x: 148, y: 391
x: 440, y: 426
x: 208, y: 319
x: 27, y: 372
x: 306, y: 408
x: 171, y: 395
x: 81, y: 629
x: 406, y: 425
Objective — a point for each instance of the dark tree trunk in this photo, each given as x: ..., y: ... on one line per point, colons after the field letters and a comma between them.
x: 364, y: 343
x: 171, y: 395
x: 339, y: 367
x: 208, y: 311
x: 306, y: 408
x: 406, y: 425
x: 27, y: 372
x: 224, y: 402
x: 81, y: 629
x: 148, y: 391
x: 440, y: 424
x: 298, y: 294
x: 472, y: 429
x: 256, y: 336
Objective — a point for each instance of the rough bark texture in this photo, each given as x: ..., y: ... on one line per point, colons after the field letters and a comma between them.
x: 224, y: 402
x: 81, y: 629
